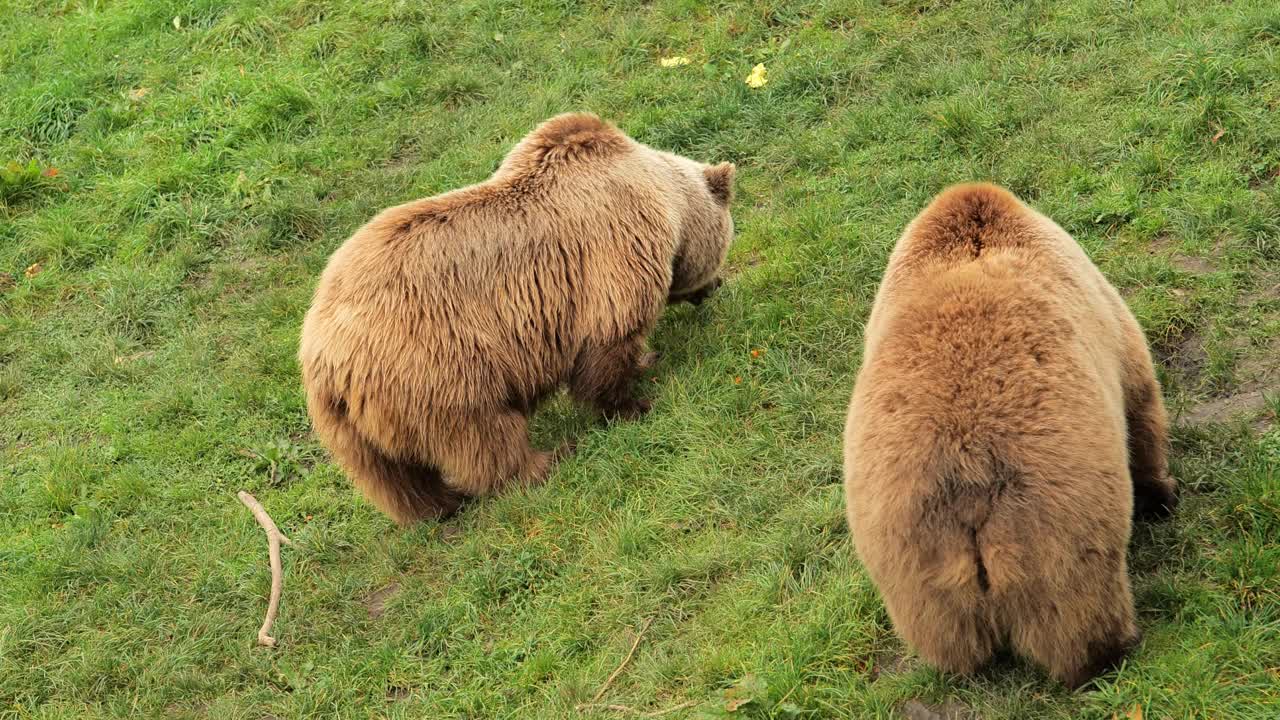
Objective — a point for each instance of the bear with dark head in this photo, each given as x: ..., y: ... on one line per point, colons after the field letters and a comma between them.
x: 1005, y: 426
x: 438, y: 326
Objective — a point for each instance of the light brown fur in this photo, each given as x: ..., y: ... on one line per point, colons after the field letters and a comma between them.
x: 437, y: 328
x: 1005, y: 419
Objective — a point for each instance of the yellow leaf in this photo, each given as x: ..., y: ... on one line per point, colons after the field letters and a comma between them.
x: 177, y: 22
x: 33, y: 271
x: 757, y: 77
x: 675, y: 61
x: 1135, y: 713
x: 137, y: 94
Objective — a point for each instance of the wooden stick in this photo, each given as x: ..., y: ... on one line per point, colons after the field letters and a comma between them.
x: 633, y: 711
x: 627, y: 659
x: 274, y: 538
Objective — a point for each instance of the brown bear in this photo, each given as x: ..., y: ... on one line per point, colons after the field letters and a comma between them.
x: 438, y: 326
x: 1005, y: 425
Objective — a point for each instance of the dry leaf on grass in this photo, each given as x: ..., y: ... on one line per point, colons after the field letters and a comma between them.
x: 757, y: 77
x: 1135, y: 713
x: 676, y: 61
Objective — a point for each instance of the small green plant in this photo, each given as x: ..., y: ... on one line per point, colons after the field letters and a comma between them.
x: 281, y: 460
x: 19, y: 182
x: 746, y: 697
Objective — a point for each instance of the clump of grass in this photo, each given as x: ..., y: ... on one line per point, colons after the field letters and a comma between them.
x: 288, y: 219
x: 21, y: 182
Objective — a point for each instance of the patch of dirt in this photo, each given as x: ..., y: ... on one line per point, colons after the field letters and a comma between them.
x: 1183, y: 355
x: 1193, y: 264
x: 237, y: 275
x: 916, y: 710
x: 1225, y: 408
x: 449, y: 533
x: 1268, y: 290
x: 376, y: 603
x: 743, y: 261
x: 891, y: 664
x: 1260, y: 376
x: 396, y: 693
x: 1259, y: 180
x: 403, y: 157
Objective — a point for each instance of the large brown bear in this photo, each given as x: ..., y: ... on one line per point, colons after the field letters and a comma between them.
x: 439, y: 325
x: 1005, y: 425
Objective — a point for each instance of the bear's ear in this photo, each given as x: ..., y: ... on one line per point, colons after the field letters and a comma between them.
x: 720, y: 182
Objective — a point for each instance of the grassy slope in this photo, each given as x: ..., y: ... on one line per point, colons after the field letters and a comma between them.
x: 153, y: 355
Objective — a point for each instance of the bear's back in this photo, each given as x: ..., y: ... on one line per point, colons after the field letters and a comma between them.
x: 997, y: 347
x: 469, y: 297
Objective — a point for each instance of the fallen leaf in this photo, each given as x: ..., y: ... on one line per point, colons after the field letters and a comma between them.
x: 746, y: 690
x: 755, y: 353
x: 177, y: 22
x: 757, y: 77
x: 1135, y: 712
x: 122, y: 359
x: 1218, y: 135
x: 50, y: 172
x: 34, y: 270
x: 737, y: 380
x: 675, y: 61
x: 137, y: 94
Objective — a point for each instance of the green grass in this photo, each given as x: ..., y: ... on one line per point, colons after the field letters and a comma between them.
x: 207, y: 167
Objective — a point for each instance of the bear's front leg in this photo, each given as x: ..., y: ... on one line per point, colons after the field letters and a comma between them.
x: 605, y: 376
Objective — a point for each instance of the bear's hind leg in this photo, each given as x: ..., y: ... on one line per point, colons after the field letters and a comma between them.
x: 1155, y: 493
x: 406, y: 491
x: 481, y: 457
x: 935, y: 588
x: 605, y: 376
x: 947, y: 631
x: 1081, y: 627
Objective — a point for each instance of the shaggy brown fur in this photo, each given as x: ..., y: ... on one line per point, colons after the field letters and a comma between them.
x: 1005, y: 418
x: 439, y: 325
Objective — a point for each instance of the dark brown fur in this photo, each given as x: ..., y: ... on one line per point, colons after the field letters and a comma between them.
x: 1005, y: 417
x: 438, y: 327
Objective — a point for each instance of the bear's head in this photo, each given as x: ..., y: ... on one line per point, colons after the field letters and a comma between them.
x: 706, y: 228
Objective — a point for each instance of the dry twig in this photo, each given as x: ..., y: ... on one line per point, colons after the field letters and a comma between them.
x: 595, y: 703
x: 637, y: 713
x: 274, y: 538
x: 627, y: 659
